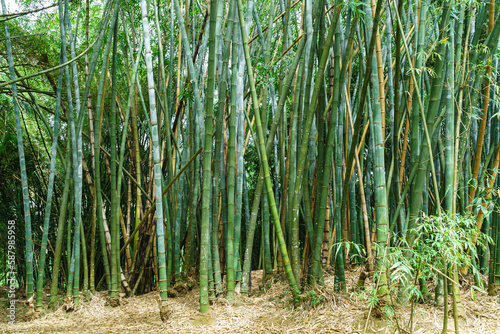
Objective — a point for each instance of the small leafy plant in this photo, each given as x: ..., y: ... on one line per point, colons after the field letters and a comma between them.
x: 456, y: 239
x: 308, y: 299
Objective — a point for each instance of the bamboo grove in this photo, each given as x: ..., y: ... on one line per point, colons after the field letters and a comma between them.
x: 163, y: 142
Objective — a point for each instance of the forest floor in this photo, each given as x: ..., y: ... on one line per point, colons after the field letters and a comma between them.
x: 269, y: 311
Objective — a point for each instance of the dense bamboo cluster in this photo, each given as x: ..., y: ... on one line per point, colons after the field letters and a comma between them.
x: 206, y: 140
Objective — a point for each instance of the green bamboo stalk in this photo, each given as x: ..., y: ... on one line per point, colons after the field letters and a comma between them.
x: 207, y: 163
x: 381, y: 210
x: 60, y: 232
x: 239, y: 189
x: 177, y: 237
x: 219, y: 137
x: 77, y: 153
x: 22, y: 162
x: 266, y: 46
x: 115, y: 201
x: 103, y: 24
x: 263, y: 153
x: 160, y: 231
x: 50, y: 192
x: 359, y: 119
x: 92, y: 151
x: 305, y: 139
x: 449, y: 153
x: 97, y: 143
x: 430, y: 114
x: 260, y: 180
x: 122, y: 146
x: 332, y: 130
x: 163, y: 99
x: 480, y: 139
x: 231, y: 178
x: 85, y: 261
x: 450, y: 124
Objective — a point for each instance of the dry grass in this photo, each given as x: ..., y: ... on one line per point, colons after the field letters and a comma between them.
x: 267, y: 312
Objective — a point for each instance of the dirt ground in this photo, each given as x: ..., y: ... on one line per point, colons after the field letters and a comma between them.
x: 268, y: 312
